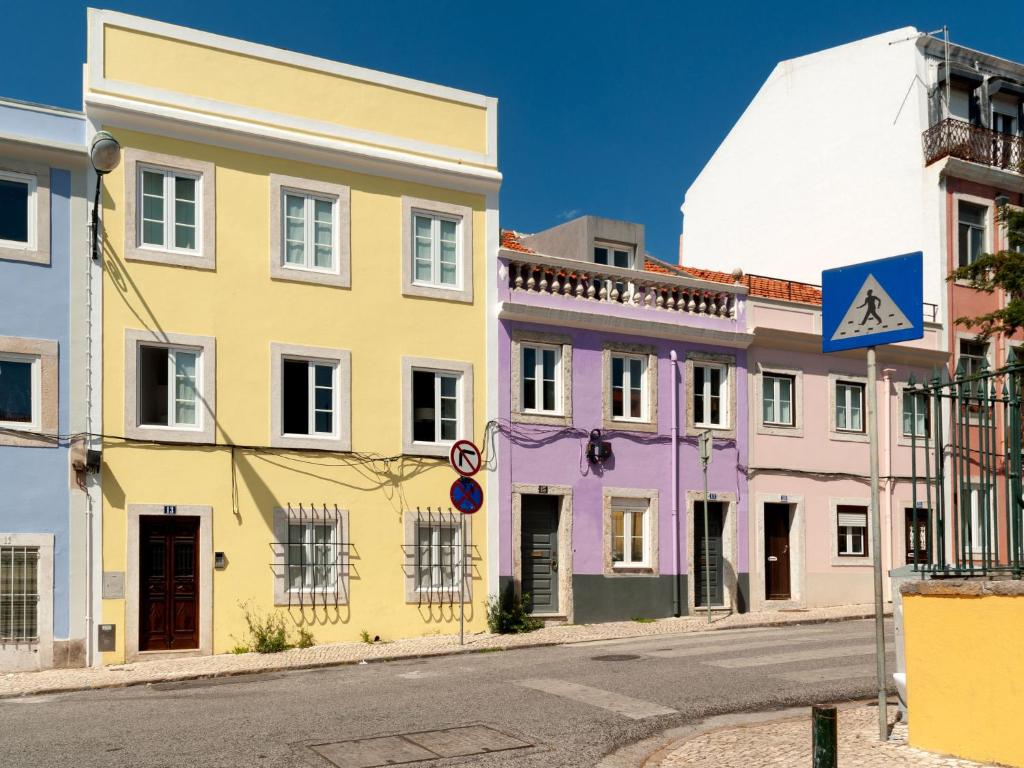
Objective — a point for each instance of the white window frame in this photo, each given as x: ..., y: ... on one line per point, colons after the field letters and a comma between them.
x: 309, y: 230
x: 206, y: 382
x: 538, y: 378
x: 172, y: 351
x: 776, y: 398
x: 627, y: 386
x: 848, y: 386
x: 32, y: 211
x: 170, y: 175
x: 629, y: 507
x: 334, y: 547
x: 283, y: 592
x: 723, y: 395
x: 916, y: 397
x: 341, y: 360
x: 435, y: 250
x: 311, y: 365
x: 458, y: 553
x: 975, y: 511
x: 438, y: 376
x: 629, y: 250
x: 463, y: 406
x: 36, y: 393
x: 562, y: 415
x: 863, y: 556
x: 462, y: 215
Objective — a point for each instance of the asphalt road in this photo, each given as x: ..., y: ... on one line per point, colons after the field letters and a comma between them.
x: 560, y: 706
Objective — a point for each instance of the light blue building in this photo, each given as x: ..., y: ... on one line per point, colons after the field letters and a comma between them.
x: 44, y: 263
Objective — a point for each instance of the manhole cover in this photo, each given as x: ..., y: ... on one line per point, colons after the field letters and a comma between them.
x: 415, y: 747
x: 616, y: 657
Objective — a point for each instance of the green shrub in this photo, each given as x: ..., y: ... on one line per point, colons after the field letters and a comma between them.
x: 506, y: 614
x: 365, y: 637
x: 305, y: 639
x: 644, y: 620
x: 267, y: 632
x: 239, y: 649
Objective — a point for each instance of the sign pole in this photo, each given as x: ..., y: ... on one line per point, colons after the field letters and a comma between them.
x: 462, y: 579
x: 876, y: 545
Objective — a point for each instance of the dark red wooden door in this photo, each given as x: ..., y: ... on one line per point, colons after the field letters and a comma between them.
x: 169, y: 588
x: 776, y: 552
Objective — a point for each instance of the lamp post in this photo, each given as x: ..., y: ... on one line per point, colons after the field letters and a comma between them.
x: 105, y: 156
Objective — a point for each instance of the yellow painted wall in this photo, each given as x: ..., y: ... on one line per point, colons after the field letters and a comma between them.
x: 965, y: 675
x: 139, y: 58
x: 245, y: 310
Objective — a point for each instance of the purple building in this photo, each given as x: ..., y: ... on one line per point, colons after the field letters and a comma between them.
x: 610, y: 366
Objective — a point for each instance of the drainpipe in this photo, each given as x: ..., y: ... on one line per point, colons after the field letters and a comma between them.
x: 676, y: 609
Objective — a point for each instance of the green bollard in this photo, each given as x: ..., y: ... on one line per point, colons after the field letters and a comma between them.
x: 823, y: 736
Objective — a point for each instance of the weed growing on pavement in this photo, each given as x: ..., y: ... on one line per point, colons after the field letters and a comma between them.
x: 643, y: 620
x: 268, y: 633
x: 507, y: 614
x: 365, y: 637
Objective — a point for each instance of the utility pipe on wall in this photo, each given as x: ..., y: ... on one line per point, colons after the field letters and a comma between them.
x: 676, y: 608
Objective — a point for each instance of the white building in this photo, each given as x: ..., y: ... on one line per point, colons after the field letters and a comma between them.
x: 852, y: 153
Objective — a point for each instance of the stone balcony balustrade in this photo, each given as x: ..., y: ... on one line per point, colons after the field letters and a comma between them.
x: 591, y: 284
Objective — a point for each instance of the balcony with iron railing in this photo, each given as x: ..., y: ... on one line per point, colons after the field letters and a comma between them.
x: 566, y: 284
x: 952, y: 137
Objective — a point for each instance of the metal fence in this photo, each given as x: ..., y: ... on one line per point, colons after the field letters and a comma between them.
x: 969, y: 521
x: 315, y: 556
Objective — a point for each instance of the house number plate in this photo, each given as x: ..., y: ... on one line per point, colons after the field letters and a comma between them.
x: 170, y: 509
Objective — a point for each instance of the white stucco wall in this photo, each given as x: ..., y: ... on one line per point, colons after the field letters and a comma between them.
x: 824, y: 168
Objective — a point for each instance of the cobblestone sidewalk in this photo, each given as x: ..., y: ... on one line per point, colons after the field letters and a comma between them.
x: 138, y: 673
x: 787, y: 744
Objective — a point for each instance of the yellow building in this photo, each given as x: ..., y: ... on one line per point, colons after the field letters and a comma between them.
x: 294, y: 290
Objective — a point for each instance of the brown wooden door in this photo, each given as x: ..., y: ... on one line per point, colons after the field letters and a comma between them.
x: 776, y: 552
x: 169, y: 588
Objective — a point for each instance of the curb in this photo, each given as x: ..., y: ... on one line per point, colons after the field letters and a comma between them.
x: 184, y: 677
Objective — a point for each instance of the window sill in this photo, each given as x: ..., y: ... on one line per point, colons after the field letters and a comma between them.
x: 432, y: 450
x: 171, y: 258
x: 631, y: 571
x: 290, y: 274
x: 418, y: 290
x: 780, y: 430
x: 722, y: 433
x: 333, y: 443
x: 554, y: 419
x: 622, y: 425
x: 848, y: 437
x: 309, y: 599
x: 169, y: 434
x: 854, y: 561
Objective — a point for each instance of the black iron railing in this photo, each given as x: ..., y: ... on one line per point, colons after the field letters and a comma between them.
x: 958, y: 138
x: 969, y: 521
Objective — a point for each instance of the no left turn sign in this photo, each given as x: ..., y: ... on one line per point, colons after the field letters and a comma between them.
x: 464, y: 458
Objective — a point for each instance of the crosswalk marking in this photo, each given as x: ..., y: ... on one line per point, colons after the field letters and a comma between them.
x: 707, y: 649
x: 833, y: 652
x: 635, y: 709
x: 829, y: 674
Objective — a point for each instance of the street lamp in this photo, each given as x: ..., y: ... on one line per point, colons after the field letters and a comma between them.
x: 105, y: 155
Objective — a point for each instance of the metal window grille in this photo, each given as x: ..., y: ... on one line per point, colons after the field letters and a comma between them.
x: 315, y: 556
x: 969, y: 473
x: 19, y: 594
x: 438, y: 557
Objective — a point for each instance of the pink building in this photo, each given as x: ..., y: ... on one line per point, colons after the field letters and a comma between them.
x: 808, y: 489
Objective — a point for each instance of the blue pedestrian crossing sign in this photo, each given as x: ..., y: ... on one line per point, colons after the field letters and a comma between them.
x: 872, y: 303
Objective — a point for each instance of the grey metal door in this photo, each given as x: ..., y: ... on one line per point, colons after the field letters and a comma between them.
x: 714, y: 553
x: 540, y: 553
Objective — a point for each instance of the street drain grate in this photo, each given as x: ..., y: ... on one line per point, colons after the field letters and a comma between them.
x: 403, y: 748
x: 616, y: 657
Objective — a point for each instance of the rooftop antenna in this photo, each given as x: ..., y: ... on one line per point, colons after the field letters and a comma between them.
x: 944, y: 29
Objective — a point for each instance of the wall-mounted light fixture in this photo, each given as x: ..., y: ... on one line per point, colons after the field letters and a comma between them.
x: 105, y: 156
x: 598, y: 450
x: 1002, y: 200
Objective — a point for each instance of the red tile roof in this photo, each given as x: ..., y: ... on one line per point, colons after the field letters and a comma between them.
x: 510, y: 240
x: 757, y: 285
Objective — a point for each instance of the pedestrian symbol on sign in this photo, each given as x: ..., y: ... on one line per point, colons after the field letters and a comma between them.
x: 871, y: 312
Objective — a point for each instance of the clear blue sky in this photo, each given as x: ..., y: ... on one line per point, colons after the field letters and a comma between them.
x: 609, y: 108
